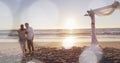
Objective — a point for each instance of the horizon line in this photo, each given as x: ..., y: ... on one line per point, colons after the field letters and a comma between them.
x: 64, y: 28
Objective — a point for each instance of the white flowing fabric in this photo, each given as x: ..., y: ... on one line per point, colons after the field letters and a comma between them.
x: 107, y: 10
x: 93, y: 54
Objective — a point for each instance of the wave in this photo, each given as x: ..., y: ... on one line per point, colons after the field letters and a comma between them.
x: 64, y: 32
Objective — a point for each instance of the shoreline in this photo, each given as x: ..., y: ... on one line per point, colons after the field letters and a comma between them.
x: 114, y: 44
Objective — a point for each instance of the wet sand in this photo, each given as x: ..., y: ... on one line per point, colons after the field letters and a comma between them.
x: 50, y: 51
x: 79, y: 44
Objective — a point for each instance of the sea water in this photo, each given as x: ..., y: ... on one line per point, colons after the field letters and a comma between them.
x: 57, y: 35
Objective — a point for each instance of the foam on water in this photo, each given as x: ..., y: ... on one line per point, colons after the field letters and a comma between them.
x: 91, y: 54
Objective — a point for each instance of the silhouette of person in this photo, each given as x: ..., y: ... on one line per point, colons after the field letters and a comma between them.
x: 22, y: 38
x: 30, y: 37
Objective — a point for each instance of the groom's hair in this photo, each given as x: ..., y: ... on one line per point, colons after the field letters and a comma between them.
x: 26, y: 24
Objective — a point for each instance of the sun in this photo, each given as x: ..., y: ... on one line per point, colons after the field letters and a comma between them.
x: 70, y: 23
x: 68, y: 42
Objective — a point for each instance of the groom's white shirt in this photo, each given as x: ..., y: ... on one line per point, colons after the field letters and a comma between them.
x: 30, y: 33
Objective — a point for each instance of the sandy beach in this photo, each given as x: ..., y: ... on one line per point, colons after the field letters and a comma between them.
x: 11, y: 52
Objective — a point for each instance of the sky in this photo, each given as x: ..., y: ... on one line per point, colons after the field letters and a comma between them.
x: 54, y: 14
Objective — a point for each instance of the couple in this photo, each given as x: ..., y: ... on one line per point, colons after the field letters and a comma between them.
x: 26, y: 34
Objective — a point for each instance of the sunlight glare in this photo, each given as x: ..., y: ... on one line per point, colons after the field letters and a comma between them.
x: 68, y: 42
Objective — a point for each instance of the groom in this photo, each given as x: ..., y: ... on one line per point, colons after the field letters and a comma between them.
x: 30, y: 37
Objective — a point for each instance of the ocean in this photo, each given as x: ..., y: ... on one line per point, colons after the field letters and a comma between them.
x: 58, y: 35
